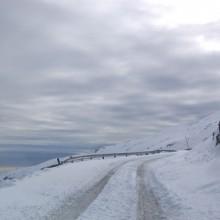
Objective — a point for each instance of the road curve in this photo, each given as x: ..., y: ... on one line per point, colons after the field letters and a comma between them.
x: 76, y: 204
x: 123, y: 193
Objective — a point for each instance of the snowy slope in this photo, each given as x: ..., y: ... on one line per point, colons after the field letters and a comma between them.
x: 35, y: 196
x: 187, y: 183
x: 172, y: 139
x: 19, y: 173
x: 190, y: 181
x: 179, y: 138
x: 180, y: 186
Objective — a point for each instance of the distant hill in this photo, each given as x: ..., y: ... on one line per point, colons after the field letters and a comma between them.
x: 181, y: 137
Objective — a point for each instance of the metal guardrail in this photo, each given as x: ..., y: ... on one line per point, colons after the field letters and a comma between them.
x: 73, y: 159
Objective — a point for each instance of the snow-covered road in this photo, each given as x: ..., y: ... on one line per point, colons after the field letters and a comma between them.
x: 148, y: 204
x: 181, y: 185
x: 91, y: 190
x: 74, y: 205
x: 121, y: 194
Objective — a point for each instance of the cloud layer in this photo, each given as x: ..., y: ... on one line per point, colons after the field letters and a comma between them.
x: 90, y: 73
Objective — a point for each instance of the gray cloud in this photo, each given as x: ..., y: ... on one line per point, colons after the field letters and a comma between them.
x: 98, y: 74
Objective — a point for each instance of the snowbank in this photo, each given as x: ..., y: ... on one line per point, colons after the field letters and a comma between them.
x: 190, y: 181
x: 175, y: 138
x: 33, y: 197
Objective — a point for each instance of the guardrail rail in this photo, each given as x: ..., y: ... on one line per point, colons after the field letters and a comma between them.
x: 77, y: 158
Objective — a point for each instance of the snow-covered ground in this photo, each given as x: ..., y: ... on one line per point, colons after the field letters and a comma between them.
x: 175, y: 186
x: 192, y: 179
x: 191, y: 186
x: 187, y: 183
x: 97, y: 189
x: 33, y: 197
x: 179, y: 137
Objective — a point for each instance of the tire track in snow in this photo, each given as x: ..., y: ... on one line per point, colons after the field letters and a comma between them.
x: 148, y: 205
x: 76, y: 204
x: 123, y: 193
x: 118, y: 200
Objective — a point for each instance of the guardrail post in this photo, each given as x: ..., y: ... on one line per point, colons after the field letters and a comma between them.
x: 58, y: 161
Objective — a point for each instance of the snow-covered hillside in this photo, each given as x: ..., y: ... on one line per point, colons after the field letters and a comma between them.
x: 183, y: 185
x: 191, y: 180
x: 179, y: 138
x: 186, y: 183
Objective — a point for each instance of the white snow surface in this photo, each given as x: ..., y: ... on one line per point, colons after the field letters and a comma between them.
x: 191, y: 180
x: 186, y: 184
x: 175, y: 138
x: 118, y: 200
x: 33, y: 197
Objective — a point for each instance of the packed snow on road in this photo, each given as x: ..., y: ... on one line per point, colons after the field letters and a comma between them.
x: 174, y: 186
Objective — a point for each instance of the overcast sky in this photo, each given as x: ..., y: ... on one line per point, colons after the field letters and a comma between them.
x: 90, y: 72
